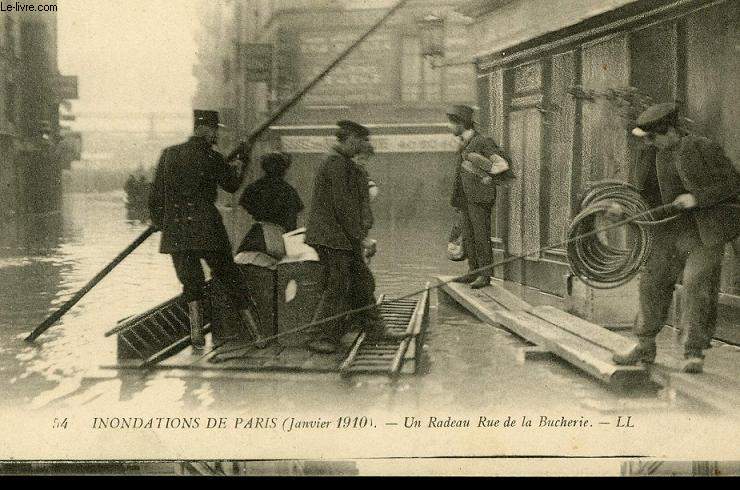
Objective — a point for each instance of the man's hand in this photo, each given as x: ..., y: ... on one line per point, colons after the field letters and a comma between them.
x: 369, y: 247
x: 493, y: 165
x: 685, y: 201
x: 241, y: 152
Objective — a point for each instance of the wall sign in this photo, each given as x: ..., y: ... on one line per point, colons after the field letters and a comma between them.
x: 384, y: 143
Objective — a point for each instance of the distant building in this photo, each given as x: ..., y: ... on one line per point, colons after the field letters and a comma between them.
x: 538, y: 65
x: 386, y: 83
x: 31, y: 90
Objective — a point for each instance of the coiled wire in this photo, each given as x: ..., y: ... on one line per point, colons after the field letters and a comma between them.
x: 592, y: 259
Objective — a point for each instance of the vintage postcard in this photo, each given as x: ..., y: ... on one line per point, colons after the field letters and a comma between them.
x: 370, y: 237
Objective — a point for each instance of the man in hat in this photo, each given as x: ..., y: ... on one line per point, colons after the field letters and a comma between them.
x: 481, y: 166
x: 693, y: 174
x: 182, y: 206
x: 335, y: 229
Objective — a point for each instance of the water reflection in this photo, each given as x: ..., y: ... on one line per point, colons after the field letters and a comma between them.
x: 45, y: 259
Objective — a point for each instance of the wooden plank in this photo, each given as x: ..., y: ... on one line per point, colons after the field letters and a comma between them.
x: 352, y: 354
x: 168, y: 351
x: 293, y: 355
x: 242, y: 363
x: 484, y: 311
x: 595, y: 334
x: 495, y: 292
x: 588, y: 357
x: 510, y: 300
x: 322, y: 361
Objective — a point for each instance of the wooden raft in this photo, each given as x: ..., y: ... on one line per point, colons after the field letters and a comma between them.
x: 165, y: 329
x: 585, y: 345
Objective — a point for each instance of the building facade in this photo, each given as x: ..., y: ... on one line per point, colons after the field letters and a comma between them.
x: 31, y: 90
x: 539, y: 63
x: 386, y: 83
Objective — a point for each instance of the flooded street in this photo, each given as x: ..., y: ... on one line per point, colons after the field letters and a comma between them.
x: 469, y: 364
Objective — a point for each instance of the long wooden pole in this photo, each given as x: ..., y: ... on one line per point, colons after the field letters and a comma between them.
x: 239, y: 151
x: 54, y: 317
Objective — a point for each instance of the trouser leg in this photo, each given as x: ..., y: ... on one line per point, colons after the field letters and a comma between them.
x: 480, y: 221
x: 337, y: 273
x: 468, y: 238
x: 225, y: 271
x: 701, y: 283
x: 190, y: 274
x: 657, y: 283
x: 362, y: 293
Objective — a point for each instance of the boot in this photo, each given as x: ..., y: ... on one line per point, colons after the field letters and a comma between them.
x: 643, y: 352
x: 693, y: 363
x: 195, y: 314
x: 481, y: 282
x: 466, y: 279
x: 323, y: 346
x: 376, y: 329
x: 252, y: 326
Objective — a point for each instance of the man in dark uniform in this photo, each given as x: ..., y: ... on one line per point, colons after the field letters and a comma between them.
x: 481, y: 166
x: 182, y: 206
x: 694, y: 175
x: 335, y: 229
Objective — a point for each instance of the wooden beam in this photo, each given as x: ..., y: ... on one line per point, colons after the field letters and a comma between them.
x: 596, y: 334
x: 582, y: 354
x: 482, y: 306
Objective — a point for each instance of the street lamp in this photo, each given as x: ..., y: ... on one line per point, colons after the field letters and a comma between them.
x: 432, y: 37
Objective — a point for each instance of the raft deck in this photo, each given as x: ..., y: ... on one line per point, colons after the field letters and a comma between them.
x: 159, y: 339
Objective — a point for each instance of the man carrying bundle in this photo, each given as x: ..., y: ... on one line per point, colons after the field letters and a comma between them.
x: 694, y: 175
x: 481, y: 166
x: 182, y: 206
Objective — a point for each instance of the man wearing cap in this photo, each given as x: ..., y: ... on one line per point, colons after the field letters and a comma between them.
x: 182, y: 206
x: 693, y: 174
x: 481, y: 166
x: 335, y: 229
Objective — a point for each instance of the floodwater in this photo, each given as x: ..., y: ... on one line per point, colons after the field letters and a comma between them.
x: 468, y: 364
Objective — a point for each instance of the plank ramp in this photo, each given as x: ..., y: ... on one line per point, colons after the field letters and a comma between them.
x: 586, y: 330
x: 585, y: 355
x: 585, y: 345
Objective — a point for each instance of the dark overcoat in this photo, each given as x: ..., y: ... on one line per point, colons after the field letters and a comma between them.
x: 183, y: 196
x: 469, y: 187
x: 697, y: 166
x: 335, y: 218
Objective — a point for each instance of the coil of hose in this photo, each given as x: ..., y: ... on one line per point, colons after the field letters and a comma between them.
x: 593, y: 260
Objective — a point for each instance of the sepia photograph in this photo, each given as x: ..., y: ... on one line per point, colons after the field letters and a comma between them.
x: 370, y: 237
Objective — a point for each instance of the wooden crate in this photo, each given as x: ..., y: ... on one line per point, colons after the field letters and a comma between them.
x: 308, y: 277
